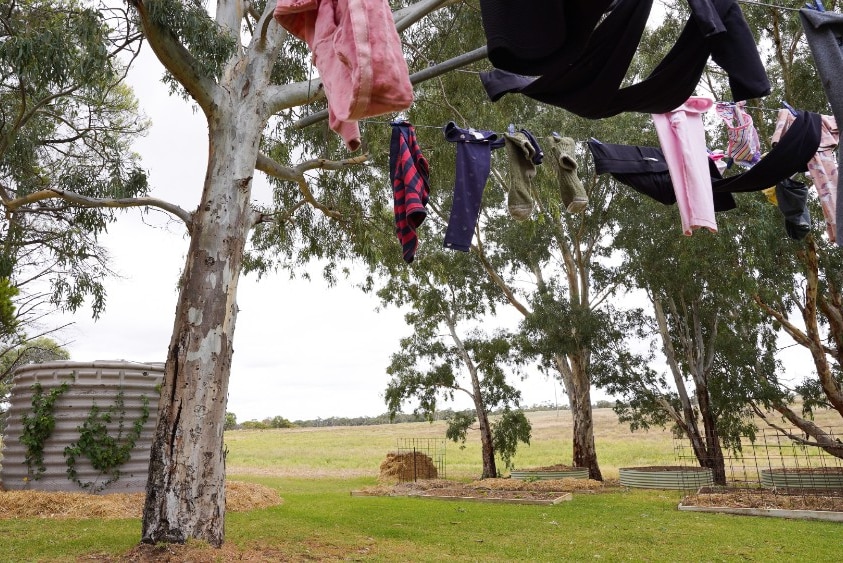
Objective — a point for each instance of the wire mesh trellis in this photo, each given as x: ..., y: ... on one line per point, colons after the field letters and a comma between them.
x: 775, y: 468
x: 423, y: 458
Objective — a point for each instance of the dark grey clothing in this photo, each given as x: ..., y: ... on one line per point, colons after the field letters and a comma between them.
x: 590, y: 85
x: 824, y: 33
x: 792, y: 198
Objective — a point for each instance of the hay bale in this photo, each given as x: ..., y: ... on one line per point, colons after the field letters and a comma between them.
x: 407, y: 466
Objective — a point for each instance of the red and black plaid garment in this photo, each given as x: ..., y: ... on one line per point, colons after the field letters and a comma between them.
x: 410, y: 174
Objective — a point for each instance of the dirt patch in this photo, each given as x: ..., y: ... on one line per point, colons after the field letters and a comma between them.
x: 488, y: 488
x: 194, y: 551
x: 400, y: 467
x: 665, y: 468
x: 557, y: 467
x: 240, y: 497
x: 809, y: 470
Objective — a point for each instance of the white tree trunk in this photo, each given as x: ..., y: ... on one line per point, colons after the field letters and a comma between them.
x: 186, y: 487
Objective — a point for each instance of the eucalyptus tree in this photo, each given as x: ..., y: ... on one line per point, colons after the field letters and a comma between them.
x: 248, y: 77
x: 66, y: 127
x: 799, y: 282
x: 714, y: 344
x: 448, y: 354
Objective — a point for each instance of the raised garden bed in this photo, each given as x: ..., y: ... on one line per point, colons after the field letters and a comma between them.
x: 803, y: 478
x: 763, y: 502
x: 493, y: 496
x: 487, y: 490
x: 665, y: 477
x: 552, y: 472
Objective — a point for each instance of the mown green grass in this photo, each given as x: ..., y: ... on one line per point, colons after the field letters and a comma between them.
x: 315, y: 470
x: 319, y: 520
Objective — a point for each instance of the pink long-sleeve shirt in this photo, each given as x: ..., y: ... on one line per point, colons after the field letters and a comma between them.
x: 357, y: 51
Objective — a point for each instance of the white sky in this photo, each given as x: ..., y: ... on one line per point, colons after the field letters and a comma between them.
x: 302, y: 350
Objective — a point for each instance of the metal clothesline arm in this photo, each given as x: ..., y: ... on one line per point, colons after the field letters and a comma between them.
x: 420, y: 76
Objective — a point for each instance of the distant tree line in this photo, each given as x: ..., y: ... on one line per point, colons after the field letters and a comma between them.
x: 446, y: 414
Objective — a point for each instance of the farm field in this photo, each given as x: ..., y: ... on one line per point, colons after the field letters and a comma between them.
x: 315, y: 469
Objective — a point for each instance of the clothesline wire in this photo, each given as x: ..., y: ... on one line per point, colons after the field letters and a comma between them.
x: 751, y: 3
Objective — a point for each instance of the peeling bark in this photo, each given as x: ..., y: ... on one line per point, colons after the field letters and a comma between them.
x: 578, y: 387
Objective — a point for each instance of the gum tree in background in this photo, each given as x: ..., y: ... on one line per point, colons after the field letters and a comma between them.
x: 444, y: 356
x: 800, y: 284
x: 553, y: 271
x: 66, y: 127
x: 714, y: 343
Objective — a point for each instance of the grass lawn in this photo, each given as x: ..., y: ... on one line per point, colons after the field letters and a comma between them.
x: 314, y: 470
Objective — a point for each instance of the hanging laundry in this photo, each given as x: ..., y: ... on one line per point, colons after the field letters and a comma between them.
x: 540, y: 37
x: 823, y: 166
x: 823, y: 31
x: 790, y: 155
x: 719, y: 158
x: 744, y: 148
x: 409, y: 173
x: 474, y: 160
x: 357, y: 51
x: 792, y: 200
x: 645, y: 170
x: 590, y: 85
x: 520, y: 153
x: 562, y: 151
x: 770, y: 194
x: 682, y: 138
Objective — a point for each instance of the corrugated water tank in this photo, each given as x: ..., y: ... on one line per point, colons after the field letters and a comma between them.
x: 92, y: 383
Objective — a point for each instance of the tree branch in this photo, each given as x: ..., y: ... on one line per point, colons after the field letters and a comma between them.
x: 176, y: 58
x: 296, y: 174
x: 85, y: 201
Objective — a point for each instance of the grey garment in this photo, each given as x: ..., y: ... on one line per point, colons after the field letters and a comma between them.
x: 792, y: 198
x: 520, y: 152
x: 562, y: 151
x: 824, y: 32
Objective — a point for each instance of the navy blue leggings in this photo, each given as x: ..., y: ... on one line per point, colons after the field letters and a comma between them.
x: 474, y: 161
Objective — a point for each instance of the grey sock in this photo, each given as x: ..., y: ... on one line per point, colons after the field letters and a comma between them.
x: 520, y: 153
x: 562, y: 150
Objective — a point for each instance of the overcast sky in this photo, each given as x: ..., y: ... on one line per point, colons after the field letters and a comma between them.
x: 302, y: 349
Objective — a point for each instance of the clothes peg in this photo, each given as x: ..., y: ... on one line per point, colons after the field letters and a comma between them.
x: 816, y: 5
x: 789, y: 107
x: 511, y: 129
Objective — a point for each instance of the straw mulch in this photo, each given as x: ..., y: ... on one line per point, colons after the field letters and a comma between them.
x: 765, y: 500
x: 398, y: 467
x: 240, y: 497
x: 488, y: 488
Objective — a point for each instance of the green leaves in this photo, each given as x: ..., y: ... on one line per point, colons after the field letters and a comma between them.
x: 66, y: 124
x: 39, y: 425
x: 105, y: 452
